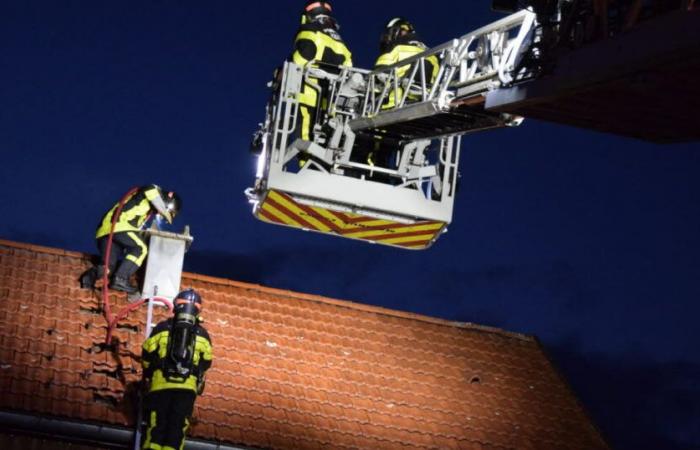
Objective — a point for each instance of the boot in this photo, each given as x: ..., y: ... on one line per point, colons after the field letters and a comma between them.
x: 120, y: 279
x: 90, y: 276
x: 123, y: 284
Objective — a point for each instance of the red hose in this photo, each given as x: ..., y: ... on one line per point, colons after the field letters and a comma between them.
x: 132, y: 307
x: 105, y: 273
x: 111, y: 320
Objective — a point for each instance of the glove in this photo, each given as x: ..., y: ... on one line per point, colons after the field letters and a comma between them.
x: 200, y: 386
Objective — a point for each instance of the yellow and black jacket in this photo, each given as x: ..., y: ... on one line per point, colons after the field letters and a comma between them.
x: 318, y: 43
x: 403, y: 48
x: 154, y: 353
x: 136, y: 210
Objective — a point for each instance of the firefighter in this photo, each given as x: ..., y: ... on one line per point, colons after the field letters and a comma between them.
x: 317, y: 40
x: 397, y: 42
x: 400, y: 41
x: 128, y: 247
x: 175, y: 358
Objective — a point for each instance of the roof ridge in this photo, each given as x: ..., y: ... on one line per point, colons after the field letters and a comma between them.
x: 41, y: 248
x: 298, y: 295
x: 357, y: 306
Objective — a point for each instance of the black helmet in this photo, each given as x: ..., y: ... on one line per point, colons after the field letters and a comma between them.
x: 187, y: 306
x: 173, y: 203
x: 316, y: 10
x: 394, y: 29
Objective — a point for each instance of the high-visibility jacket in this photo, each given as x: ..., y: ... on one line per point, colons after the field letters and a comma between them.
x: 136, y: 210
x: 402, y: 49
x: 155, y: 350
x: 316, y: 43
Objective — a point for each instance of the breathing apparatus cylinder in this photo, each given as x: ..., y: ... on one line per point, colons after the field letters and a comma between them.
x: 178, y: 364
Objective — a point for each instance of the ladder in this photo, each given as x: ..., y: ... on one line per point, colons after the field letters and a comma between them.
x: 166, y: 254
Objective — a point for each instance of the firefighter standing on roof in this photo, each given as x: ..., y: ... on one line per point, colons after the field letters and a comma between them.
x: 175, y: 358
x: 317, y: 40
x: 127, y: 241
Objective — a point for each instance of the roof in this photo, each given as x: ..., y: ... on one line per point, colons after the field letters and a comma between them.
x: 291, y: 371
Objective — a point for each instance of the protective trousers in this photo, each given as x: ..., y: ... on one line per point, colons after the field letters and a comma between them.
x: 128, y: 244
x: 167, y: 414
x: 308, y: 108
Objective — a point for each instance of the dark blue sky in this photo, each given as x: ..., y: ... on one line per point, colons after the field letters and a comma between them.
x: 588, y: 241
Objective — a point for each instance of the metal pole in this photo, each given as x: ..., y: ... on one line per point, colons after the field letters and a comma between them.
x: 148, y: 328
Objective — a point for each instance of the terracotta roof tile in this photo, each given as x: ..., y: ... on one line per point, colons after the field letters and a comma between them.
x: 291, y: 371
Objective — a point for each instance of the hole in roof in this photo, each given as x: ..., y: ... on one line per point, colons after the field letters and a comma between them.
x: 100, y: 347
x: 475, y: 380
x: 123, y: 326
x: 91, y: 310
x: 109, y: 373
x: 105, y: 400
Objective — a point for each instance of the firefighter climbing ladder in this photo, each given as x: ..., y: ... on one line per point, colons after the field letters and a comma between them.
x: 166, y: 254
x: 407, y: 203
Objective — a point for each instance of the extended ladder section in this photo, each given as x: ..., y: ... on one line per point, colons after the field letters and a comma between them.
x: 382, y: 165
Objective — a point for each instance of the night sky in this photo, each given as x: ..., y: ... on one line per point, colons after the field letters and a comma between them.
x: 588, y: 241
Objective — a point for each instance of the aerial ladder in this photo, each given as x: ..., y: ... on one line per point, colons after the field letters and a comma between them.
x: 408, y: 201
x: 598, y: 64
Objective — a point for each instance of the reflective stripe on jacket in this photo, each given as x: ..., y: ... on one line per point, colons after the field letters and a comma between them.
x: 155, y: 349
x: 136, y: 210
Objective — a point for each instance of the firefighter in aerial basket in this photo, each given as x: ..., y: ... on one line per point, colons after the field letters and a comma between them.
x: 175, y: 358
x: 129, y: 249
x: 317, y: 41
x: 398, y: 41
